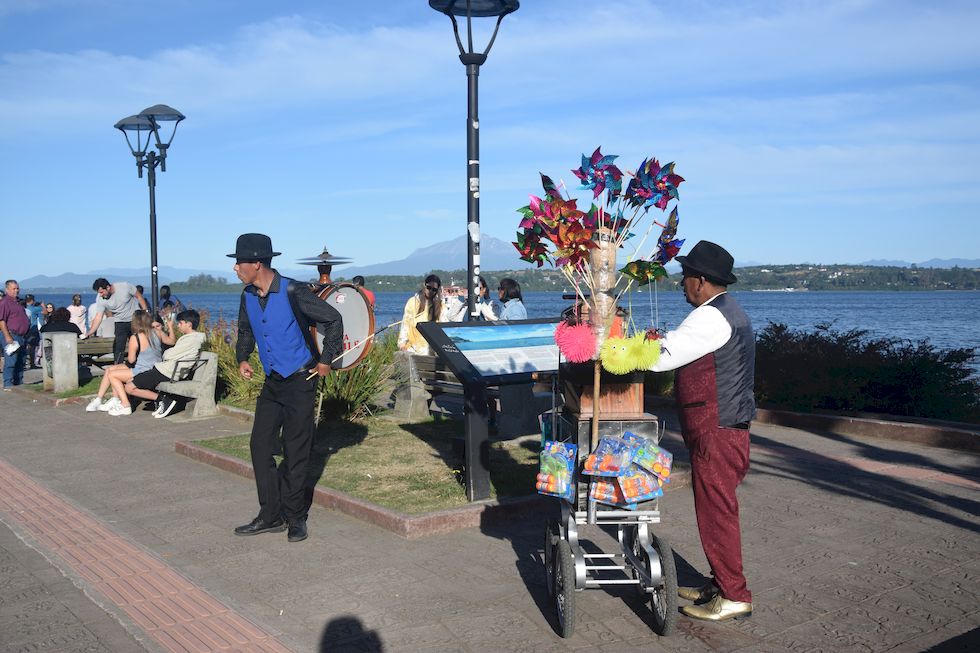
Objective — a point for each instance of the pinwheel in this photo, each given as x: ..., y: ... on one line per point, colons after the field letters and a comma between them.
x: 572, y: 243
x: 530, y: 247
x: 644, y: 271
x: 653, y: 185
x: 597, y: 173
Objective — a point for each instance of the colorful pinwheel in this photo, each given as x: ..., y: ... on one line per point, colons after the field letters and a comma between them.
x: 653, y: 185
x: 597, y: 173
x: 644, y: 271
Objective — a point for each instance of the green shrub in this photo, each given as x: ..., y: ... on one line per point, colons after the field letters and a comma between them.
x: 352, y: 394
x: 847, y: 371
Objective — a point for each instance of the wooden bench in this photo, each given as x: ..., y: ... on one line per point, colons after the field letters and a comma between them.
x: 195, y: 378
x: 519, y: 405
x: 93, y: 351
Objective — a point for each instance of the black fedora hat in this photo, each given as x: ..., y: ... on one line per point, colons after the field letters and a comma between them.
x: 710, y: 261
x: 252, y: 247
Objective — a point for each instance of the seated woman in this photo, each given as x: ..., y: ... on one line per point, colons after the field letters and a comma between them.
x: 424, y: 306
x: 143, y: 350
x: 510, y: 296
x: 186, y: 345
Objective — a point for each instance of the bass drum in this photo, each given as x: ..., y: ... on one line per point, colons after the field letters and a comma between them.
x: 358, y: 316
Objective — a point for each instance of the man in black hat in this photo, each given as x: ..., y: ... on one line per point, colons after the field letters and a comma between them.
x: 275, y: 313
x: 713, y: 351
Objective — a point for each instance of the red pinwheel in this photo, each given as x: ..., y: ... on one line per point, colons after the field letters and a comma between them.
x: 530, y: 248
x: 597, y: 173
x: 572, y: 242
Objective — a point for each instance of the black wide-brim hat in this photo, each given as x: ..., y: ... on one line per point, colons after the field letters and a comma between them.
x: 710, y: 261
x: 252, y: 247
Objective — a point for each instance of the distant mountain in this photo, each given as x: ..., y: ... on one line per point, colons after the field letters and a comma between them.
x: 942, y: 263
x: 73, y: 281
x: 495, y: 254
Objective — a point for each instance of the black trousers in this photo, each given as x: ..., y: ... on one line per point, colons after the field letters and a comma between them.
x: 122, y: 332
x: 284, y: 404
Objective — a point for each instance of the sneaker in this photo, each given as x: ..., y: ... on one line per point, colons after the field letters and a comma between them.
x: 93, y: 405
x: 113, y: 402
x: 116, y: 411
x: 167, y: 405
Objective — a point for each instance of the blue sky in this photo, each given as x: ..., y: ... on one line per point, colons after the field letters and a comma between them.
x: 823, y: 131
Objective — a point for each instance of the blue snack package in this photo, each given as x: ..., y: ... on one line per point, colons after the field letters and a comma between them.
x: 556, y: 473
x: 611, y: 457
x: 650, y: 456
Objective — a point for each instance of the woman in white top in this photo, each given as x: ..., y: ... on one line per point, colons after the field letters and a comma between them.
x: 78, y: 313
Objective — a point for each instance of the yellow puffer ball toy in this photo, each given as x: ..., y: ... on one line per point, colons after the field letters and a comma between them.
x: 644, y: 351
x: 616, y: 356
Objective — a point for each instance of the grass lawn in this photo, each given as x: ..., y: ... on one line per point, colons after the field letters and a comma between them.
x: 89, y: 388
x: 406, y: 467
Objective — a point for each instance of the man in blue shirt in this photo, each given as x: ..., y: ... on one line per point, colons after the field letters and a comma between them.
x: 274, y: 315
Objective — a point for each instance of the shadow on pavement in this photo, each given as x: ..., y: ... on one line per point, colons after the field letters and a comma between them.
x: 347, y: 633
x: 844, y: 479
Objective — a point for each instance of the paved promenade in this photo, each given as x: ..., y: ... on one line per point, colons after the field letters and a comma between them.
x: 110, y: 541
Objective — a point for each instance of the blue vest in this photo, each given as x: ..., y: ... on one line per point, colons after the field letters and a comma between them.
x: 279, y: 338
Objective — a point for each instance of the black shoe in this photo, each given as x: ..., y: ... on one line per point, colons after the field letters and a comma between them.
x: 259, y: 525
x: 166, y: 406
x: 297, y: 531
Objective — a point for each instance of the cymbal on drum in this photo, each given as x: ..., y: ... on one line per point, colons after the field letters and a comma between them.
x: 324, y: 258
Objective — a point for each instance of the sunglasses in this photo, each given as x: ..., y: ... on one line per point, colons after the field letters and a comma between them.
x: 432, y: 288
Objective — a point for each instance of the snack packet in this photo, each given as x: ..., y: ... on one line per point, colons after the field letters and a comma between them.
x: 639, y: 485
x: 611, y: 457
x: 650, y: 456
x: 556, y: 475
x: 609, y: 492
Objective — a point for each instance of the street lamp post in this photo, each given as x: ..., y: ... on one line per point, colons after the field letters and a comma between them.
x: 473, y: 60
x: 147, y: 123
x: 476, y: 443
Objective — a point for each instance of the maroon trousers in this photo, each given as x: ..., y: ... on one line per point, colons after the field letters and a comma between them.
x: 719, y: 462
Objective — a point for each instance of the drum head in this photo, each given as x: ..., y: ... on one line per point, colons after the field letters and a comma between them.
x: 358, y: 316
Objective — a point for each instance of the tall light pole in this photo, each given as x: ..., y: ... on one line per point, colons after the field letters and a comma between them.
x: 147, y: 122
x: 476, y: 454
x: 473, y: 60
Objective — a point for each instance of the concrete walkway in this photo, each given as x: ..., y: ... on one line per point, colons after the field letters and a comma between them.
x: 112, y: 542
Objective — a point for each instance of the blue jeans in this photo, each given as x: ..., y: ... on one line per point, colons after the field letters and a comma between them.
x: 13, y: 365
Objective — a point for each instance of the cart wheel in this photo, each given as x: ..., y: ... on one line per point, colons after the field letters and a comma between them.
x: 550, y: 542
x: 565, y: 588
x: 664, y: 598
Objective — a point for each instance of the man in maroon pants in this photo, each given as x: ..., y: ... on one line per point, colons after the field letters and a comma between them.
x: 713, y: 351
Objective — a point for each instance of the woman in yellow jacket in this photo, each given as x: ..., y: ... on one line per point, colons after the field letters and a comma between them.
x: 424, y: 306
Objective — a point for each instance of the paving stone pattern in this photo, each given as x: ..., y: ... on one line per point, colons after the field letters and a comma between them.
x: 850, y: 545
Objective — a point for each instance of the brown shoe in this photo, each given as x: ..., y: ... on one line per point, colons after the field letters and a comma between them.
x: 698, y: 594
x: 718, y: 609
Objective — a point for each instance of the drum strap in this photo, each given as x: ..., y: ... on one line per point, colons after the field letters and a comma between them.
x: 301, y: 320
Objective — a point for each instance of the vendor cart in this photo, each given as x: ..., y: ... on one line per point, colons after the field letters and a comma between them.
x: 645, y: 560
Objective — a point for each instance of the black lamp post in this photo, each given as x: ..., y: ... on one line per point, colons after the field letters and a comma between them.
x: 147, y: 122
x: 476, y: 454
x: 473, y: 60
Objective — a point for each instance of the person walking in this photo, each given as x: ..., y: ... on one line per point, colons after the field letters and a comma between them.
x: 274, y: 314
x: 122, y: 299
x: 14, y: 326
x: 713, y: 353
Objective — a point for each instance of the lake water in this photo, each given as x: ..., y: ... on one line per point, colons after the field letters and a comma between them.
x: 948, y: 319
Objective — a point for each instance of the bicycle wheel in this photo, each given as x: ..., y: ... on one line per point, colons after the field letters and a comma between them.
x: 664, y: 597
x: 550, y: 542
x: 565, y: 588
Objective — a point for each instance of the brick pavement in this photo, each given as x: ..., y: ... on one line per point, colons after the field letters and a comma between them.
x: 851, y: 545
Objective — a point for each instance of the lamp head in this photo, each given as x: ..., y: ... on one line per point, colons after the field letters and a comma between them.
x: 477, y: 8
